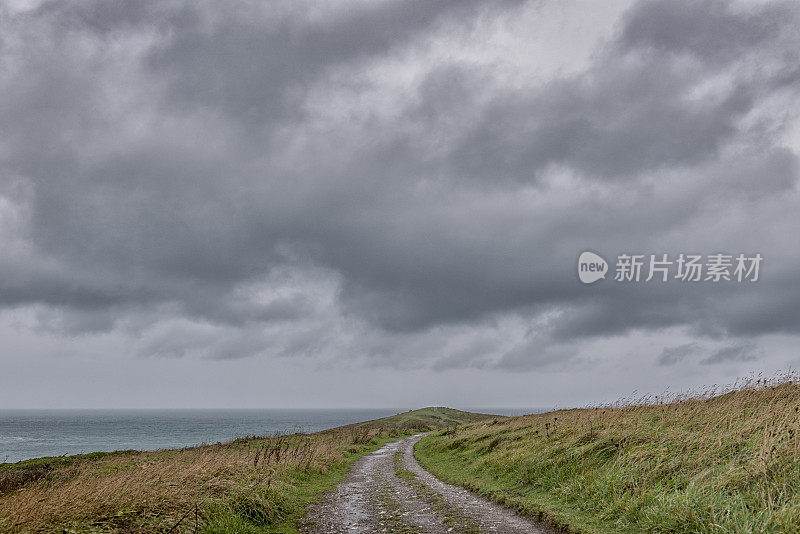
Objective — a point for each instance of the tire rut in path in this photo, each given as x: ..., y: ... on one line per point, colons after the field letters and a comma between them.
x: 388, y: 491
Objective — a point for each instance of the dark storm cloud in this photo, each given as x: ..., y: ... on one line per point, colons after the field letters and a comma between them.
x: 630, y: 112
x: 744, y: 352
x: 164, y: 164
x: 709, y: 29
x: 254, y: 63
x: 676, y: 354
x: 610, y: 123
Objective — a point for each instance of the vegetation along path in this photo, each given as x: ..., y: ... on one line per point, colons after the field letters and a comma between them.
x: 388, y: 491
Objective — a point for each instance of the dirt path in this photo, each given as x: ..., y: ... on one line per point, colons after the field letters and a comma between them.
x: 388, y: 491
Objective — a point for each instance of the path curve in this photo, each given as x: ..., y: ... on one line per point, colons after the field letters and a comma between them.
x: 388, y: 491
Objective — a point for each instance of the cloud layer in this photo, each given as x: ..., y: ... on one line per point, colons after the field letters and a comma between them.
x: 396, y: 183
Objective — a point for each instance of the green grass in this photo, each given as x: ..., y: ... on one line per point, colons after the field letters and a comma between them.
x: 60, y: 461
x: 425, y: 419
x: 708, y: 464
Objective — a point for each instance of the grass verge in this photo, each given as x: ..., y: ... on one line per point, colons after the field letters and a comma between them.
x: 705, y: 463
x: 453, y: 518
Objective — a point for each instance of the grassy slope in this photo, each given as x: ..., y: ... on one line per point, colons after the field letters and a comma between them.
x: 246, y: 485
x: 425, y: 419
x: 726, y: 464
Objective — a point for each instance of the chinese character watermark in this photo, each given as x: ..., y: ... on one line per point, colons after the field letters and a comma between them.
x: 661, y: 268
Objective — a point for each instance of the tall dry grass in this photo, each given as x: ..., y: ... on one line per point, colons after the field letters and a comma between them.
x: 177, y: 490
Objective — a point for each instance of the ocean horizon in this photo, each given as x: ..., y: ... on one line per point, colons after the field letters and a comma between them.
x: 35, y: 433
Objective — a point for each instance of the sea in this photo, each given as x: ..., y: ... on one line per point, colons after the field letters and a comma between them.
x: 26, y: 434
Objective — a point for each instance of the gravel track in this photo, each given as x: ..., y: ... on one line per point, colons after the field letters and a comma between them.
x: 388, y: 491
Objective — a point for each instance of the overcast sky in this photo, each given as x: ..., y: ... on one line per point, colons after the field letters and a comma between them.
x: 382, y: 203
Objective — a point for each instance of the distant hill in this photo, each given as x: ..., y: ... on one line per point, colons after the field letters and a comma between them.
x: 425, y: 419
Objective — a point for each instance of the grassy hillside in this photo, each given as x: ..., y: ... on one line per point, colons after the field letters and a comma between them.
x: 707, y: 464
x: 260, y: 484
x: 425, y: 419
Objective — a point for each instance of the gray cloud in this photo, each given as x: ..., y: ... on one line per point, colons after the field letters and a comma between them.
x: 676, y: 354
x: 611, y: 123
x: 744, y: 352
x: 292, y: 181
x: 709, y: 29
